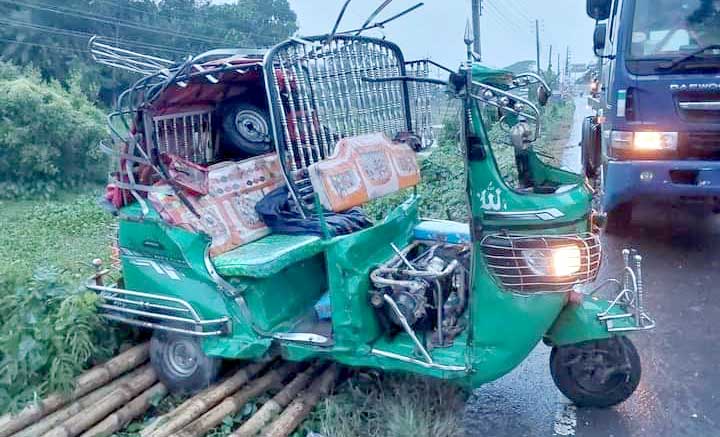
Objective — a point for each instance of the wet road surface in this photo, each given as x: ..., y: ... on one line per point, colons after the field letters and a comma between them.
x: 679, y: 394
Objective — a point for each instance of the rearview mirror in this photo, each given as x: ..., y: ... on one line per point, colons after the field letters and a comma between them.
x: 599, y: 9
x: 599, y: 39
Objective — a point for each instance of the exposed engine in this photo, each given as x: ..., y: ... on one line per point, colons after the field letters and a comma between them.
x: 423, y: 289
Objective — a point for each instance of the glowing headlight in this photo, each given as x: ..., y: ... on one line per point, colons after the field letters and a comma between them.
x: 557, y: 261
x: 644, y: 140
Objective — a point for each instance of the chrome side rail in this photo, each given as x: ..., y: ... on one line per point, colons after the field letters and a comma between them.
x: 630, y: 298
x: 154, y: 311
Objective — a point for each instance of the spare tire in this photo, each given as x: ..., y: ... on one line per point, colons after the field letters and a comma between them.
x: 246, y: 127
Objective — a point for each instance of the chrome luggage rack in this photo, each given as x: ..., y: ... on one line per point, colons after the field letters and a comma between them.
x: 152, y: 311
x: 630, y: 297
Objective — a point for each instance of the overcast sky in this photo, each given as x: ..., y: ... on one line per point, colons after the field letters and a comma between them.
x: 436, y: 30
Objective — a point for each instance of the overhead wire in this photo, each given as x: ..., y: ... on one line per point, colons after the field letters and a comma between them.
x: 121, y: 23
x: 87, y: 35
x: 159, y: 13
x: 506, y: 18
x: 58, y: 48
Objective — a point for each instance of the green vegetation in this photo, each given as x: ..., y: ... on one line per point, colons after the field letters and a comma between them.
x: 52, y: 35
x: 557, y: 121
x: 442, y: 186
x: 49, y: 136
x: 49, y: 330
x: 391, y: 406
x: 61, y: 233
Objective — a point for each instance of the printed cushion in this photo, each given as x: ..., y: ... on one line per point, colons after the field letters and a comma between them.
x: 363, y: 168
x: 227, y: 212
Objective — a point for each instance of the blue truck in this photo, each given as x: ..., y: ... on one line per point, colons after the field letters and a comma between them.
x: 655, y: 132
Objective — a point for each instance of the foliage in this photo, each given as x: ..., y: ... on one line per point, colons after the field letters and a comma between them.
x: 49, y: 330
x: 48, y: 135
x: 53, y: 34
x: 557, y: 121
x: 442, y: 187
x: 48, y: 334
x: 522, y: 67
x: 391, y: 406
x: 61, y: 232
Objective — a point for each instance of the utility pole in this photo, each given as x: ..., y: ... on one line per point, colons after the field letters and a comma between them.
x: 550, y: 59
x: 476, y: 13
x: 559, y: 69
x: 537, y: 44
x: 567, y: 63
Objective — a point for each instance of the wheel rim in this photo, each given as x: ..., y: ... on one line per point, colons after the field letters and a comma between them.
x: 598, y: 370
x: 252, y: 126
x: 181, y: 357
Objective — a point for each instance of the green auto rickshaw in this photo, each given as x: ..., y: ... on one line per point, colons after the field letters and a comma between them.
x: 237, y: 192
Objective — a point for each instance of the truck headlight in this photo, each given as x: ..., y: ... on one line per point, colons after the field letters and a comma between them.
x: 646, y: 141
x: 557, y: 261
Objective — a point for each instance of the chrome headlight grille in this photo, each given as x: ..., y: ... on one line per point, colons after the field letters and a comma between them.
x: 542, y: 263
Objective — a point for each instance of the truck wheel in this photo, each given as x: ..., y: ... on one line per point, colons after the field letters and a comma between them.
x: 246, y: 127
x: 599, y: 373
x: 590, y: 147
x: 619, y: 218
x: 180, y: 362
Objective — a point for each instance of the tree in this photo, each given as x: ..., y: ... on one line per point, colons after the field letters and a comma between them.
x: 52, y: 35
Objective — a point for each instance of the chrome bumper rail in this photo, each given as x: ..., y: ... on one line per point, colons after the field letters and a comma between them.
x: 154, y: 311
x: 630, y: 298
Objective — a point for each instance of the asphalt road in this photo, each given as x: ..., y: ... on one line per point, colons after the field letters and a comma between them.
x: 679, y: 394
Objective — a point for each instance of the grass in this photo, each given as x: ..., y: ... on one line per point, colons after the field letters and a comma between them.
x: 61, y: 233
x: 370, y: 404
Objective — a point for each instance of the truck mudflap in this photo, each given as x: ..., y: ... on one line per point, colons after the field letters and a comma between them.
x: 592, y: 318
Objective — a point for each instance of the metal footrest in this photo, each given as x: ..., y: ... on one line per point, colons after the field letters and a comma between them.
x: 626, y: 311
x: 153, y: 311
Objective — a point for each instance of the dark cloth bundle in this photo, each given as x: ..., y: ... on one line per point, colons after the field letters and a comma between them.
x: 283, y: 216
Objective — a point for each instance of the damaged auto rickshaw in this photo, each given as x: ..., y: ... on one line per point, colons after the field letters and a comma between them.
x: 239, y: 236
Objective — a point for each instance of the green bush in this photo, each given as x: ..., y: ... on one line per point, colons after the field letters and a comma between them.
x: 48, y: 136
x: 49, y: 332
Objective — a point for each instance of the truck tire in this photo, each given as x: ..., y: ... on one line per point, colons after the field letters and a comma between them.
x: 599, y: 373
x: 590, y: 145
x: 180, y: 362
x: 619, y: 218
x: 246, y: 127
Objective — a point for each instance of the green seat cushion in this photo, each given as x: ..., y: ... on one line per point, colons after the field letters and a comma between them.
x: 267, y: 256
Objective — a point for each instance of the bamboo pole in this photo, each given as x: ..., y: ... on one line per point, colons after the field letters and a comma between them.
x: 85, y: 383
x: 233, y: 404
x: 135, y: 408
x: 118, y: 397
x: 159, y: 421
x: 80, y: 405
x: 294, y: 415
x: 199, y: 404
x: 274, y: 406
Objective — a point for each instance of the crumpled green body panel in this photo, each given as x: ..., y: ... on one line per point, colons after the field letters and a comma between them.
x: 268, y: 256
x: 276, y: 281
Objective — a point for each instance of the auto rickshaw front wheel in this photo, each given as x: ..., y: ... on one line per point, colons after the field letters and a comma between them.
x: 180, y: 362
x: 599, y: 373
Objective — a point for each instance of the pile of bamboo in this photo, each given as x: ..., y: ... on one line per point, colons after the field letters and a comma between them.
x: 299, y: 391
x: 109, y: 396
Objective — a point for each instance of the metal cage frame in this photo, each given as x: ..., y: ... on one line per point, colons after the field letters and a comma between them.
x: 317, y: 142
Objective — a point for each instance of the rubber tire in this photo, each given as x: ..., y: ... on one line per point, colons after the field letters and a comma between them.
x: 205, y: 374
x: 590, y: 147
x: 619, y: 218
x: 568, y: 385
x: 235, y: 138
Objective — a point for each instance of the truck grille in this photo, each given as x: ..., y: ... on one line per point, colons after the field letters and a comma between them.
x: 700, y: 145
x: 507, y: 259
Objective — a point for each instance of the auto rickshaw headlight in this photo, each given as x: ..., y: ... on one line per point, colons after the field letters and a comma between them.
x: 557, y: 261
